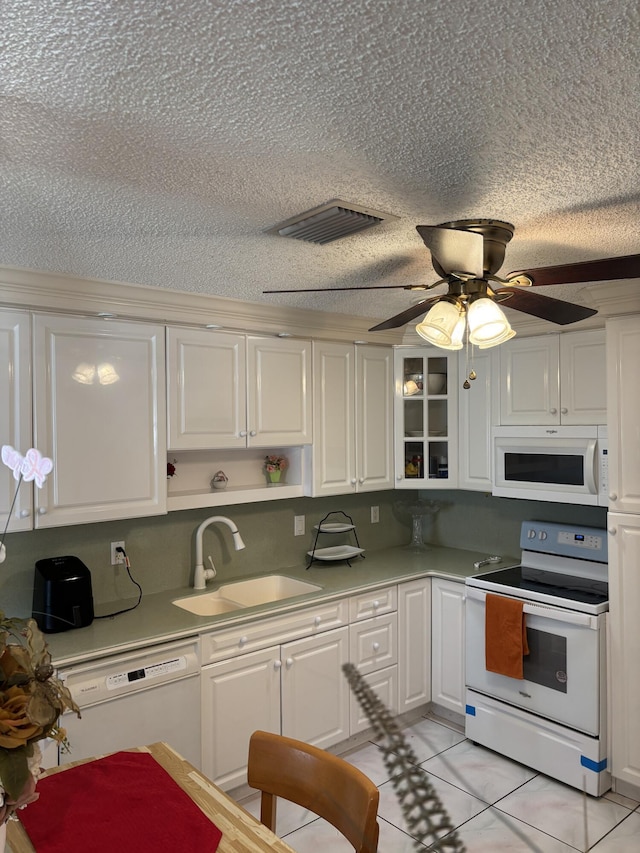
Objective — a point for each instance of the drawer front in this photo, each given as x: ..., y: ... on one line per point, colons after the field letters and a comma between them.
x: 374, y: 603
x: 373, y: 644
x: 267, y: 632
x: 384, y: 684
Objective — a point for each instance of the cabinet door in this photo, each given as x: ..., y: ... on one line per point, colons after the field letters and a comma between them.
x: 279, y: 392
x: 624, y: 646
x: 374, y: 418
x: 425, y: 418
x: 447, y: 644
x: 384, y: 683
x: 414, y: 644
x: 334, y: 444
x: 238, y: 697
x: 206, y: 389
x: 529, y: 381
x: 100, y: 414
x: 583, y: 379
x: 476, y: 417
x: 15, y: 415
x: 315, y: 693
x: 623, y: 404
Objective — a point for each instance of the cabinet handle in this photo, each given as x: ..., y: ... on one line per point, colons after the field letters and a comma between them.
x: 353, y: 481
x: 376, y: 646
x: 317, y: 620
x: 376, y: 604
x: 613, y: 530
x: 399, y: 477
x: 42, y: 510
x: 289, y: 663
x: 242, y: 641
x: 24, y: 513
x: 243, y: 433
x: 252, y: 433
x: 277, y: 664
x: 553, y: 411
x: 564, y: 411
x: 613, y: 496
x: 361, y: 480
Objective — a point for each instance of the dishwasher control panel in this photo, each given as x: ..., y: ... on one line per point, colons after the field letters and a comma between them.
x: 165, y: 667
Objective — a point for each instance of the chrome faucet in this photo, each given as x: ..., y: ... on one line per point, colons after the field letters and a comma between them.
x: 202, y: 575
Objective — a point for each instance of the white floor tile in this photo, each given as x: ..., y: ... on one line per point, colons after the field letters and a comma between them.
x: 370, y: 760
x: 478, y: 771
x: 624, y: 838
x: 559, y: 811
x: 289, y: 816
x: 493, y: 832
x: 427, y: 738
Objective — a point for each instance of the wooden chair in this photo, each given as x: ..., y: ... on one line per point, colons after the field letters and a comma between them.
x: 323, y: 783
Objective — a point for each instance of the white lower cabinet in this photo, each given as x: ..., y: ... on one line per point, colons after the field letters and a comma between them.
x: 373, y: 649
x: 447, y: 644
x: 296, y: 688
x: 414, y: 644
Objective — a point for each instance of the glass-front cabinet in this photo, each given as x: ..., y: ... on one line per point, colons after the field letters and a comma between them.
x: 426, y: 391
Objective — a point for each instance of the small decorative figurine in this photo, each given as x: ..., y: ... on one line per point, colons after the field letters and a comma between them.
x: 219, y: 480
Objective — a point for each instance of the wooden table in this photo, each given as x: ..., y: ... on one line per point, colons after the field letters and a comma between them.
x: 241, y: 832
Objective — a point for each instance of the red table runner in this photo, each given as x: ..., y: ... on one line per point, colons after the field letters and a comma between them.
x: 123, y: 802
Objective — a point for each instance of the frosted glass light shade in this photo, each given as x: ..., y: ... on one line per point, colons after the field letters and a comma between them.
x: 488, y: 325
x: 510, y: 333
x: 440, y: 326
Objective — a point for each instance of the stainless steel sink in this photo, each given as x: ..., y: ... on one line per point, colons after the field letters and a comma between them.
x: 249, y: 593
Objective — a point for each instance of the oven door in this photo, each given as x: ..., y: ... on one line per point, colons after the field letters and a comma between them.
x: 563, y: 672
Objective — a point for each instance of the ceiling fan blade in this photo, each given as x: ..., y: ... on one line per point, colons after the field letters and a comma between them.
x: 362, y: 287
x: 605, y: 269
x: 544, y: 307
x: 406, y: 315
x: 454, y: 250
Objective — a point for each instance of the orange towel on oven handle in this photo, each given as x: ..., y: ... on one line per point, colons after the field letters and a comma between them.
x: 505, y: 636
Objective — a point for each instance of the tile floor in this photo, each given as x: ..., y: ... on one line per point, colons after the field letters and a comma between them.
x: 494, y: 803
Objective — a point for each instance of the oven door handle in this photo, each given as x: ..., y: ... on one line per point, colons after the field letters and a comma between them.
x: 557, y: 614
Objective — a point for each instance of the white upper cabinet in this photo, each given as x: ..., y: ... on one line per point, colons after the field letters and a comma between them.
x: 554, y: 379
x: 15, y: 415
x: 623, y: 387
x: 99, y: 413
x: 426, y: 418
x: 476, y: 417
x: 353, y: 419
x: 233, y: 391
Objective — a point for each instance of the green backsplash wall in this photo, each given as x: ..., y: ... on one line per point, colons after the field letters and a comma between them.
x: 162, y: 548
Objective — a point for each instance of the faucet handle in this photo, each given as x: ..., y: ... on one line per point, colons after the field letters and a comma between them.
x: 210, y: 573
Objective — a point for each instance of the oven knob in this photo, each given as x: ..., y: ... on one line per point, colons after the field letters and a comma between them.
x: 531, y: 534
x: 542, y: 535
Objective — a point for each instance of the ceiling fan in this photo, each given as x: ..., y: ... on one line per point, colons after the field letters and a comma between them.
x: 467, y: 254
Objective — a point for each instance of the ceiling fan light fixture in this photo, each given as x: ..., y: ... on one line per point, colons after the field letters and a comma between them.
x: 441, y: 325
x: 488, y: 325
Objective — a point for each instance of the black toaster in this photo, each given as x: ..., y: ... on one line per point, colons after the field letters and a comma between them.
x: 62, y: 594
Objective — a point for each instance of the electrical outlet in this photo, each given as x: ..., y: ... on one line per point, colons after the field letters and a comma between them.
x: 298, y: 525
x: 375, y: 514
x: 117, y: 559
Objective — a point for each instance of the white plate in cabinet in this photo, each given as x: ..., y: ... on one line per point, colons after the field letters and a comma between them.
x: 373, y: 643
x: 384, y: 683
x: 261, y: 633
x: 374, y: 603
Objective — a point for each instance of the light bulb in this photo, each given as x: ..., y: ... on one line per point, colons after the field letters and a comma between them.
x: 488, y: 325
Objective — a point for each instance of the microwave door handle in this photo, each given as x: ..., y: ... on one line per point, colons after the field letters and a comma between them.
x: 590, y: 467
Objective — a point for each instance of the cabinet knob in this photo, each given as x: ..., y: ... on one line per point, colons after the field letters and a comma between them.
x: 317, y: 620
x: 361, y: 480
x: 24, y: 513
x: 289, y: 663
x: 376, y: 646
x: 553, y: 411
x: 353, y: 481
x: 376, y: 604
x: 242, y: 641
x: 564, y: 411
x: 612, y: 530
x: 252, y: 433
x: 42, y: 510
x: 613, y: 496
x: 277, y: 664
x: 399, y: 477
x: 243, y: 433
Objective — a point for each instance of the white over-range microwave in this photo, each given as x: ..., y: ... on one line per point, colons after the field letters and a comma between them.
x: 547, y: 463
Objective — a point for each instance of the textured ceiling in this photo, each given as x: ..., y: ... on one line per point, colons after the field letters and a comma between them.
x: 154, y: 142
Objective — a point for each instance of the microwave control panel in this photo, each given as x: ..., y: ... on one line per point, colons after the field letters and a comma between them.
x: 587, y: 543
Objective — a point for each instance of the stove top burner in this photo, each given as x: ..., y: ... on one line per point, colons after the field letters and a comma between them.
x: 526, y: 579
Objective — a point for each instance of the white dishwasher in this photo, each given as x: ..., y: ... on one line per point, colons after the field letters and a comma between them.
x: 135, y: 699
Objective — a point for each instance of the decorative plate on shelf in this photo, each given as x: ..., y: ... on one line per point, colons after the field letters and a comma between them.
x: 338, y: 552
x: 334, y: 527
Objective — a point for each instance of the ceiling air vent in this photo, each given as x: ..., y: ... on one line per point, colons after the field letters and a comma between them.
x: 329, y: 222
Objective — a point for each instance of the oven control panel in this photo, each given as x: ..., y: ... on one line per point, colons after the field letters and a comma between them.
x: 566, y: 540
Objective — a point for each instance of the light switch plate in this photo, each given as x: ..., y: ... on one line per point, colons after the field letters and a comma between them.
x: 298, y: 525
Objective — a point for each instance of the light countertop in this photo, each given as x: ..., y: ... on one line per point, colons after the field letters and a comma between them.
x: 157, y: 620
